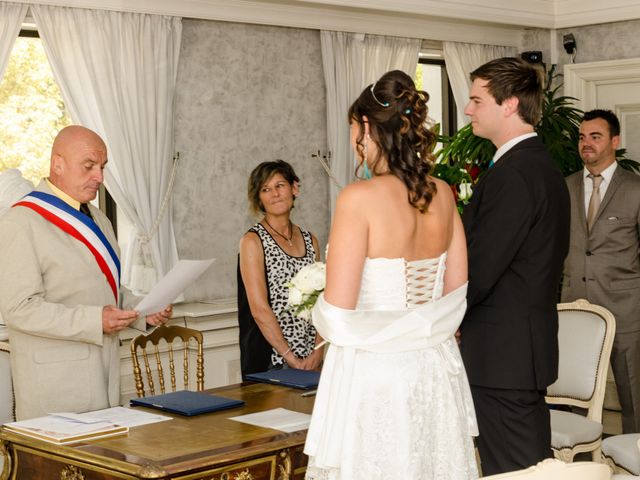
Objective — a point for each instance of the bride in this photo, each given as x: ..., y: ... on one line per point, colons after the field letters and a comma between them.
x: 393, y: 400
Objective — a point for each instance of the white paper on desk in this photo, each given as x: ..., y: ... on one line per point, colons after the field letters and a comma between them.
x: 278, y: 419
x: 128, y: 417
x: 172, y: 284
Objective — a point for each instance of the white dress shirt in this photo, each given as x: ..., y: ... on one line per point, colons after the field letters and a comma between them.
x: 510, y: 144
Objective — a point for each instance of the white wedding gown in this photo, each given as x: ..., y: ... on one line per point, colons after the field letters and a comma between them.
x: 389, y: 409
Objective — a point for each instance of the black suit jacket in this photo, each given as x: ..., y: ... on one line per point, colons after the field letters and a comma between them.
x: 517, y: 228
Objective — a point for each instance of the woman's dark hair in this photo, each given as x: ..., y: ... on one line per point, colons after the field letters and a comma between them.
x: 261, y: 175
x: 396, y: 112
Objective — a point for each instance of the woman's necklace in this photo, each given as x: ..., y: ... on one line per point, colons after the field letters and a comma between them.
x: 280, y: 234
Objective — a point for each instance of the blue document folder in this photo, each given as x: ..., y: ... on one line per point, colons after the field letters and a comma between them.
x: 289, y: 377
x: 187, y: 403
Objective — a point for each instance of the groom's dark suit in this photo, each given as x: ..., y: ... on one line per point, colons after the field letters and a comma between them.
x: 517, y: 227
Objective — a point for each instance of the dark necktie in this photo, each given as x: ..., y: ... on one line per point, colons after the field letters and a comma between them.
x: 84, y: 208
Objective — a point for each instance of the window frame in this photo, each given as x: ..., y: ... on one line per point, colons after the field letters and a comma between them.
x: 449, y: 108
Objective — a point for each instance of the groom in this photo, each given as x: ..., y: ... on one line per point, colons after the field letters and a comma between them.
x: 517, y: 227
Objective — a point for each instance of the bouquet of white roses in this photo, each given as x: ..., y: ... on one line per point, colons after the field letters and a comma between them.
x: 304, y: 289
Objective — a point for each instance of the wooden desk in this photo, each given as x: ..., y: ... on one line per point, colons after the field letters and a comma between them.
x: 209, y: 446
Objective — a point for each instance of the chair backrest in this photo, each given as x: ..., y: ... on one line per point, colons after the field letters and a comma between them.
x: 7, y: 398
x: 585, y: 339
x: 552, y: 469
x: 160, y: 345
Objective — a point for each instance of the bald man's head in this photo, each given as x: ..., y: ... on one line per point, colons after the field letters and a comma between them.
x: 78, y: 157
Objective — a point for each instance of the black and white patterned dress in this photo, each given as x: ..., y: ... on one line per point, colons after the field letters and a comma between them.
x: 280, y: 267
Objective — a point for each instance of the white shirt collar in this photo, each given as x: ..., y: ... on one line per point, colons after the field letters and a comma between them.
x: 607, y: 173
x: 510, y: 144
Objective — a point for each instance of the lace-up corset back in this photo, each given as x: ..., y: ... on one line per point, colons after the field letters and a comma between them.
x: 397, y: 284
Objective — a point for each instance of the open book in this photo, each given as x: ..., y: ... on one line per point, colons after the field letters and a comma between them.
x: 63, y: 429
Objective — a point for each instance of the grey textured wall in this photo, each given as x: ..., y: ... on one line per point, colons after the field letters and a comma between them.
x: 606, y: 41
x: 245, y: 94
x: 536, y: 39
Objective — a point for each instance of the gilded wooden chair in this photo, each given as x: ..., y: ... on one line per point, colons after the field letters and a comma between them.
x: 585, y: 339
x: 553, y: 469
x: 162, y: 344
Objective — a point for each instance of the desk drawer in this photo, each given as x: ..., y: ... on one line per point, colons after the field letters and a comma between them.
x: 263, y: 468
x: 28, y: 464
x: 288, y: 464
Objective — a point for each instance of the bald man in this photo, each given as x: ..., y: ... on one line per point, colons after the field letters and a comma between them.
x: 60, y: 286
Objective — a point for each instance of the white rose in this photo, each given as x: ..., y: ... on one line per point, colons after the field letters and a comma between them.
x: 303, y: 280
x: 464, y: 191
x: 304, y: 314
x: 295, y: 296
x: 317, y: 276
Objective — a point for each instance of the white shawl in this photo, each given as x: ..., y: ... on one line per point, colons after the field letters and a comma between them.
x: 431, y: 325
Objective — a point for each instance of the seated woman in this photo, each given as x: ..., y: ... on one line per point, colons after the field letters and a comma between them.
x: 271, y: 253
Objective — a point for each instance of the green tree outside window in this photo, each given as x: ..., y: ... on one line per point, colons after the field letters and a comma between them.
x: 31, y: 110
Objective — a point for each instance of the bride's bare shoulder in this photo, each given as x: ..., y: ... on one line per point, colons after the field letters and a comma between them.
x: 355, y: 191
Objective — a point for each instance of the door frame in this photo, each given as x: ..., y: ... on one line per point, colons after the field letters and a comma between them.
x: 581, y: 80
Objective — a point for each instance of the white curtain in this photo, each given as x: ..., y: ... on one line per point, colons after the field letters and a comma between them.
x: 117, y: 73
x: 11, y: 18
x: 461, y: 59
x: 351, y: 61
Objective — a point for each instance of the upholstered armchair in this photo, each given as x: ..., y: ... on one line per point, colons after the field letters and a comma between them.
x: 553, y: 469
x: 622, y: 453
x: 585, y: 339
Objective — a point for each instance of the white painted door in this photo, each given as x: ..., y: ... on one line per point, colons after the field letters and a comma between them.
x: 614, y: 85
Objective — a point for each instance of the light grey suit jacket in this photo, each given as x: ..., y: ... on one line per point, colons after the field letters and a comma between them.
x: 51, y: 297
x: 603, y: 265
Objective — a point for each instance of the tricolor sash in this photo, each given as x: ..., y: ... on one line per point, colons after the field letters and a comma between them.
x: 82, y: 228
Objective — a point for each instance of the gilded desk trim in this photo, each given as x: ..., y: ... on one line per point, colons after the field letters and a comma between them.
x: 116, y: 460
x: 4, y: 451
x: 64, y: 460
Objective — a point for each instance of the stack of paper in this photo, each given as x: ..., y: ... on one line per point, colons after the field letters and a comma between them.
x: 63, y: 429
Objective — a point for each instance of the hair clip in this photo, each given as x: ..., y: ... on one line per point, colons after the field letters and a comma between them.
x: 407, y: 111
x: 382, y: 104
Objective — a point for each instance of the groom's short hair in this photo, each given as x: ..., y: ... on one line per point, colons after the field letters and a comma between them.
x: 513, y: 77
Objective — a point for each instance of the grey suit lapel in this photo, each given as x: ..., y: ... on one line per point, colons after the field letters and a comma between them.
x: 578, y: 193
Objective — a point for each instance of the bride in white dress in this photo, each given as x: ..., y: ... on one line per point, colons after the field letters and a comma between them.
x: 393, y: 400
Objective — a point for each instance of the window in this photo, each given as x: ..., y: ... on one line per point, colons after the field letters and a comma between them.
x: 431, y: 76
x: 31, y: 109
x: 31, y: 114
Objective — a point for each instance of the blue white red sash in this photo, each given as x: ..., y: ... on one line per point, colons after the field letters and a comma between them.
x: 80, y: 227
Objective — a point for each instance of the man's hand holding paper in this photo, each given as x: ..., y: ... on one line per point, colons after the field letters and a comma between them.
x: 160, y: 318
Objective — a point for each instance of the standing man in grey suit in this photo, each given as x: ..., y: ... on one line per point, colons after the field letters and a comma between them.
x: 603, y: 265
x: 517, y: 228
x: 60, y: 286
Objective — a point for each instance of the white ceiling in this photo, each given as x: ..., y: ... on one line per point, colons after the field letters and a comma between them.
x: 481, y: 21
